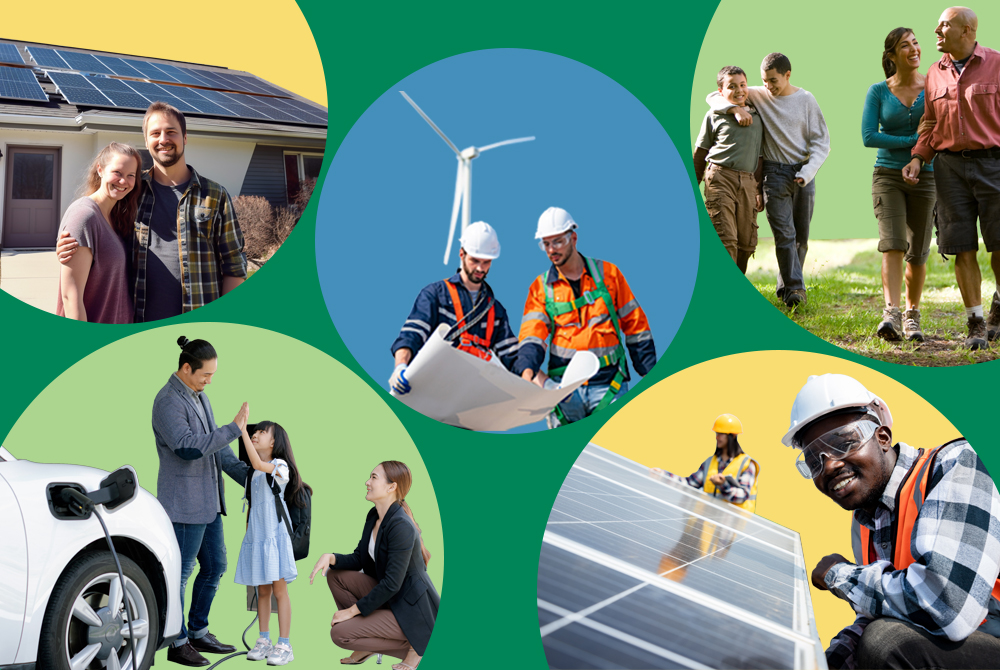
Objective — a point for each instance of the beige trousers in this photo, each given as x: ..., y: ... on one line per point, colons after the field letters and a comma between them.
x: 378, y: 632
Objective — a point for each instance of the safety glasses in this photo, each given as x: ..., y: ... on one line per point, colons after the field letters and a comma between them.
x: 834, y: 445
x: 557, y: 243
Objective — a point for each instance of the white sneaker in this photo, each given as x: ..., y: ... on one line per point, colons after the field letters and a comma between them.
x: 282, y: 655
x: 260, y: 650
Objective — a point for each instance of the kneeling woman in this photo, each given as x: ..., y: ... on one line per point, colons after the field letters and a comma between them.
x: 390, y: 607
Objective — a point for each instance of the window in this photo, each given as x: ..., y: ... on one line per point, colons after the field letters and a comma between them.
x: 300, y: 168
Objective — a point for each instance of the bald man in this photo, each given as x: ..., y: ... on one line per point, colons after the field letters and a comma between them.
x: 962, y: 98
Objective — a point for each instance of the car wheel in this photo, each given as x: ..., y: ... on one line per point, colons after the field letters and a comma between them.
x: 86, y: 622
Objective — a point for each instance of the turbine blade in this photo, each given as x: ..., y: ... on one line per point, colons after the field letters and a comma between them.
x: 428, y: 120
x: 459, y: 188
x: 500, y: 144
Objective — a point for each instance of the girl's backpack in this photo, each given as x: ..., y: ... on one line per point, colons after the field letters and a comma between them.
x: 301, y: 517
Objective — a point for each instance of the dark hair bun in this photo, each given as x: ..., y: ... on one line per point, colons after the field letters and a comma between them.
x: 182, y: 341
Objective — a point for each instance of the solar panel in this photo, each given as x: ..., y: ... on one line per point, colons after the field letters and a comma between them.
x: 83, y: 62
x: 294, y: 113
x: 20, y: 84
x: 232, y: 103
x: 179, y: 74
x: 212, y: 79
x: 147, y: 69
x: 46, y: 57
x: 10, y: 54
x: 118, y: 92
x: 119, y: 66
x: 195, y: 98
x: 642, y: 573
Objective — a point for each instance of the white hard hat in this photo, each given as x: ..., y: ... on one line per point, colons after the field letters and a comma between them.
x: 826, y: 394
x: 553, y: 221
x: 480, y: 241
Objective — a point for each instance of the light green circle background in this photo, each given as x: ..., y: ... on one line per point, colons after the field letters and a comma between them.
x: 836, y: 53
x: 98, y: 413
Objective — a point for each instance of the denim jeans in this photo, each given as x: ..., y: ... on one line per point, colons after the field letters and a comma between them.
x: 582, y: 403
x: 205, y: 544
x: 789, y: 209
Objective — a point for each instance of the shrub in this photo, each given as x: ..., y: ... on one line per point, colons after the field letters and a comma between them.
x: 257, y: 221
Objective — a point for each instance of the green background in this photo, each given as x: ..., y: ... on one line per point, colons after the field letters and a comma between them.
x: 495, y: 491
x: 836, y: 53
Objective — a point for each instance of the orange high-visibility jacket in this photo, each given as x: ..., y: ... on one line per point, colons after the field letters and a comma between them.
x: 588, y: 328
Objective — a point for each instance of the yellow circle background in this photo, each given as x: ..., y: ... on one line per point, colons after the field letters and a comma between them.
x: 670, y: 426
x: 269, y: 39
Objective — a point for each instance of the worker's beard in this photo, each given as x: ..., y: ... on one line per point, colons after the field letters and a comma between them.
x: 472, y: 275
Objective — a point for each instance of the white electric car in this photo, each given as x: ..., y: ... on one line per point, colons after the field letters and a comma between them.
x: 62, y: 603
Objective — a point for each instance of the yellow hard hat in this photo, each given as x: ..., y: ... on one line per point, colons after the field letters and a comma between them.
x: 728, y: 423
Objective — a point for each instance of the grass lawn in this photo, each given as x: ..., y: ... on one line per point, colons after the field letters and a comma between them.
x: 844, y: 286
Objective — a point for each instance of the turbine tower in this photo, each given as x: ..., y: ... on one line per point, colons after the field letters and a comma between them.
x: 463, y: 181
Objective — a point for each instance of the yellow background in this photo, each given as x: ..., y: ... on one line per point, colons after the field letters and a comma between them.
x: 269, y: 39
x: 670, y: 426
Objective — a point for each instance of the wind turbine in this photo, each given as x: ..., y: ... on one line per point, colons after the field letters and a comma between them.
x: 463, y: 181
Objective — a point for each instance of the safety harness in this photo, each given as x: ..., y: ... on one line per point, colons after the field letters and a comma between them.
x: 468, y: 342
x: 555, y: 308
x: 909, y: 501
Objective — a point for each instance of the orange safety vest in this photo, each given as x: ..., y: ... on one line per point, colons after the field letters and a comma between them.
x: 909, y: 501
x: 469, y: 343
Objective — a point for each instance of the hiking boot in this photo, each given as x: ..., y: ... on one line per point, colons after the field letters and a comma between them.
x: 891, y: 328
x: 911, y: 326
x: 977, y: 333
x: 795, y: 297
x: 993, y: 321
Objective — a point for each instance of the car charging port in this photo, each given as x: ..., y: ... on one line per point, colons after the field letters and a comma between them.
x: 59, y: 505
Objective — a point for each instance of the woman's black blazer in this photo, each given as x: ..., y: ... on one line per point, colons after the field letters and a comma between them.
x: 403, y: 583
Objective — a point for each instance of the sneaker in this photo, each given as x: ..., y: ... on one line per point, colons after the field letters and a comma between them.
x: 911, y: 326
x: 260, y: 650
x: 282, y: 655
x: 796, y: 297
x: 977, y: 333
x: 891, y: 328
x: 993, y: 321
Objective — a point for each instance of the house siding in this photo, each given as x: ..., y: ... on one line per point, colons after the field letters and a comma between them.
x: 265, y: 175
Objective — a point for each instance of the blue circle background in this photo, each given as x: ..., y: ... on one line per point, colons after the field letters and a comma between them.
x: 382, y: 222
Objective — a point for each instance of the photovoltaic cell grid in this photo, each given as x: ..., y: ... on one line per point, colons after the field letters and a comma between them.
x: 20, y: 84
x: 10, y: 54
x: 641, y: 573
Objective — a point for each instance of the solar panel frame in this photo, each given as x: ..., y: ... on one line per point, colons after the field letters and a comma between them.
x: 18, y: 83
x: 635, y: 568
x: 9, y: 53
x: 47, y: 57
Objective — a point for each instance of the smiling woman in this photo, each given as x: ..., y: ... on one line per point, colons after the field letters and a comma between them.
x: 93, y: 285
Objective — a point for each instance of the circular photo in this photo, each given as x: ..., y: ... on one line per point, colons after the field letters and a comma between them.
x: 731, y: 526
x: 181, y: 493
x: 518, y: 206
x: 144, y: 178
x: 884, y: 245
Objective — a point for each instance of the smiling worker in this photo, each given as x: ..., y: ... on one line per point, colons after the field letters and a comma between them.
x: 926, y: 535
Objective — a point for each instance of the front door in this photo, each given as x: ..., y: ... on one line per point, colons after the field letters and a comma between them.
x: 31, y: 197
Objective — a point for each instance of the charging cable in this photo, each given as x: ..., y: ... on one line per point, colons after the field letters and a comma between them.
x: 244, y: 638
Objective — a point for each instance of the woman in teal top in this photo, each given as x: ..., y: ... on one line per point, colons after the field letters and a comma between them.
x: 892, y: 121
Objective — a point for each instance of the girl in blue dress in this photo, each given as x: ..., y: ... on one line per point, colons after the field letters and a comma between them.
x: 266, y: 557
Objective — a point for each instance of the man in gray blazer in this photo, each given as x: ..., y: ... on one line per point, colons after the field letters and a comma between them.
x: 193, y: 453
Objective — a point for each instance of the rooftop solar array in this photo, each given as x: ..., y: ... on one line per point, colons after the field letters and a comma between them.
x: 97, y: 80
x: 636, y: 572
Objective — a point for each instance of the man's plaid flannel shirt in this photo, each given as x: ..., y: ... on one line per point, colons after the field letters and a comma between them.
x: 955, y: 547
x: 211, y: 243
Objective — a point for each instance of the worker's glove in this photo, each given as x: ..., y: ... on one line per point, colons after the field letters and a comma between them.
x: 397, y: 382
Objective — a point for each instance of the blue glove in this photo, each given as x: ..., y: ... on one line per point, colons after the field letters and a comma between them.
x: 397, y: 382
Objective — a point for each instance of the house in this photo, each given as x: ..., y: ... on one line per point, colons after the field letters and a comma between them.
x: 59, y: 106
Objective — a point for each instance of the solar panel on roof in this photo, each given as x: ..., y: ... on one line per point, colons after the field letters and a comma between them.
x: 10, y: 54
x: 293, y: 113
x: 46, y: 57
x: 195, y: 98
x: 179, y: 74
x: 642, y: 573
x: 118, y: 92
x: 61, y: 79
x: 20, y: 84
x: 119, y: 66
x: 232, y: 104
x: 83, y: 62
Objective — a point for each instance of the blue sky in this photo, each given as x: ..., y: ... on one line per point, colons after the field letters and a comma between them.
x: 383, y: 217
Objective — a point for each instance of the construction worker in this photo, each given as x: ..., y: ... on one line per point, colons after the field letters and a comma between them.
x: 926, y: 535
x: 465, y: 302
x: 580, y: 304
x: 724, y: 475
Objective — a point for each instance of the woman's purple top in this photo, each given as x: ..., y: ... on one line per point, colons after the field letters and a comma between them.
x: 106, y: 296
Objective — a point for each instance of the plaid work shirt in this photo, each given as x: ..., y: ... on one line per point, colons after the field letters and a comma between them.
x: 956, y: 551
x: 734, y: 494
x: 209, y: 237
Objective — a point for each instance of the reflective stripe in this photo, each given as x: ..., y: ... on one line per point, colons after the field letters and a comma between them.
x: 417, y: 322
x: 407, y: 329
x: 531, y: 339
x: 451, y: 315
x: 539, y: 316
x: 598, y: 320
x: 564, y: 352
x: 639, y: 337
x: 627, y: 308
x: 509, y: 341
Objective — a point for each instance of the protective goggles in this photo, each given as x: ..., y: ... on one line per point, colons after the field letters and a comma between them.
x: 834, y: 445
x: 557, y: 243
